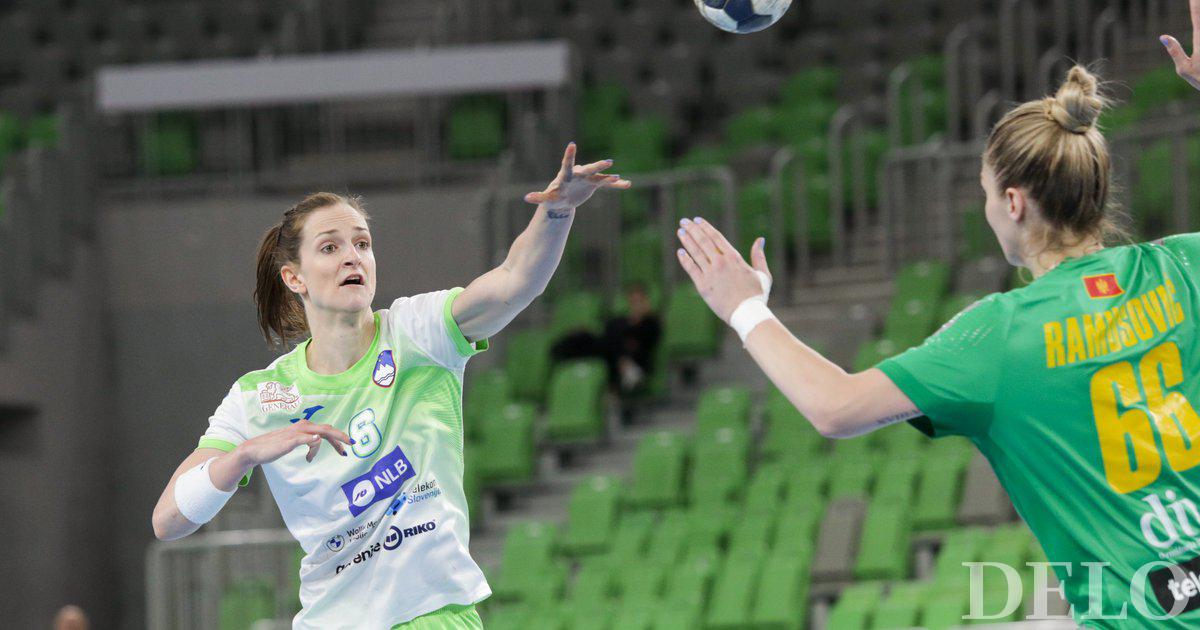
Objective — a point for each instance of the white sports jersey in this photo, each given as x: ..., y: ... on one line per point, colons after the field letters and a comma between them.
x: 384, y: 529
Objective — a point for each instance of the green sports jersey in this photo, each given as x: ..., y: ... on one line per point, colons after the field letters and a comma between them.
x: 384, y: 529
x: 1081, y: 389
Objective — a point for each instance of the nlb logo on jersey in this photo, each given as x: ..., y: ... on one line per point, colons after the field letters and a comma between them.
x: 275, y: 396
x: 385, y: 369
x: 1102, y: 286
x: 382, y: 482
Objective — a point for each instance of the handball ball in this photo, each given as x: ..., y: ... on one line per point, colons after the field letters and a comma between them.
x: 743, y: 16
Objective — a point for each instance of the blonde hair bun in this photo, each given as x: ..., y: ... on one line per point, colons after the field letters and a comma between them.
x: 1078, y: 103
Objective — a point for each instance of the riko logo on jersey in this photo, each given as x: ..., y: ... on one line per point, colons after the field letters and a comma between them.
x: 380, y: 483
x: 385, y: 369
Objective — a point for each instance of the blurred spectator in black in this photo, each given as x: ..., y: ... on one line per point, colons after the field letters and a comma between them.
x: 627, y: 345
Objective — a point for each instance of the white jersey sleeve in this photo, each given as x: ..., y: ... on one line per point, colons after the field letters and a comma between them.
x: 227, y: 425
x: 426, y: 321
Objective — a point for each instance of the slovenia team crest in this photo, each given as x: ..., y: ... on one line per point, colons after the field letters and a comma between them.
x: 275, y: 396
x: 385, y: 369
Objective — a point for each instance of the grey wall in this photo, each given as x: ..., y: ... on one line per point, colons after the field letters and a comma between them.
x: 56, y: 508
x: 179, y: 278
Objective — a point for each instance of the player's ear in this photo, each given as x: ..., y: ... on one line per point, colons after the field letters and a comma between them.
x: 1017, y: 202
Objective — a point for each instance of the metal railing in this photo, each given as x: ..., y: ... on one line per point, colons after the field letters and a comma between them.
x: 186, y: 579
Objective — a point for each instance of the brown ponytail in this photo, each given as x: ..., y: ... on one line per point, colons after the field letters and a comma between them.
x: 1052, y: 148
x: 280, y: 312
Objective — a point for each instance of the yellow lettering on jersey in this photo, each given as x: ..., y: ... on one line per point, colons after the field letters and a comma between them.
x: 1075, y: 348
x: 1142, y: 319
x: 1054, y: 344
x: 1094, y: 334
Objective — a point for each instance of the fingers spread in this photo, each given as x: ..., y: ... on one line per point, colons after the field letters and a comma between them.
x: 312, y: 450
x: 1176, y: 51
x: 593, y: 168
x: 758, y: 256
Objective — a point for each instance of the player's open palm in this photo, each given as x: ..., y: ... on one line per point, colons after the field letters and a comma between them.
x: 719, y: 272
x: 1187, y: 66
x: 575, y: 184
x: 269, y: 447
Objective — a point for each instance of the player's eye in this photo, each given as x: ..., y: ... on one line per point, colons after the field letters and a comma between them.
x: 364, y: 243
x: 327, y: 247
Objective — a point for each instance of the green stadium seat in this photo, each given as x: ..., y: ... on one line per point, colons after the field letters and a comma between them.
x: 855, y: 608
x: 754, y: 215
x: 526, y: 563
x: 979, y: 241
x: 1157, y: 88
x: 852, y: 476
x: 527, y: 362
x: 938, y: 491
x: 751, y: 531
x: 722, y: 407
x: 902, y: 607
x: 1154, y: 187
x: 42, y: 131
x: 11, y: 135
x: 1010, y: 544
x: 592, y: 516
x: 603, y: 107
x: 669, y: 539
x: 910, y: 321
x: 171, y: 146
x: 486, y: 394
x: 576, y: 405
x: 690, y: 329
x: 901, y: 441
x: 788, y: 434
x: 639, y: 145
x: 758, y: 125
x: 872, y: 352
x: 898, y: 478
x: 593, y: 584
x: 640, y: 584
x: 796, y: 531
x: 631, y: 537
x: 818, y: 83
x: 925, y: 280
x: 719, y: 466
x: 959, y: 546
x: 574, y: 312
x: 945, y: 608
x: 704, y: 156
x: 510, y: 617
x: 883, y: 552
x: 781, y: 600
x: 642, y: 262
x: 733, y: 590
x: 873, y: 145
x: 807, y: 477
x: 1119, y: 119
x: 801, y: 122
x: 475, y: 128
x: 508, y: 440
x: 658, y: 471
x: 765, y: 495
x: 244, y: 603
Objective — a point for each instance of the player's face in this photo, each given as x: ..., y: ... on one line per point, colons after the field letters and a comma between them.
x: 336, y: 246
x: 996, y: 208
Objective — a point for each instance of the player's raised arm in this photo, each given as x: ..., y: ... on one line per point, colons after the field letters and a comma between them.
x: 207, y: 478
x: 1187, y: 66
x: 838, y: 404
x: 492, y: 300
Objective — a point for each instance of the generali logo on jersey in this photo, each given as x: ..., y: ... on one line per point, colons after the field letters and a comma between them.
x: 275, y: 396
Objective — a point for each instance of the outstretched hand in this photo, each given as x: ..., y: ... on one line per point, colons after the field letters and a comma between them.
x: 1187, y: 66
x: 719, y: 272
x: 575, y: 184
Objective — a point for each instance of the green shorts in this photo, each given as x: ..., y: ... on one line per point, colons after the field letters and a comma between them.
x: 452, y: 617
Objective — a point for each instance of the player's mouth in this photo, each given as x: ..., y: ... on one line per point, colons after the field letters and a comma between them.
x: 355, y: 279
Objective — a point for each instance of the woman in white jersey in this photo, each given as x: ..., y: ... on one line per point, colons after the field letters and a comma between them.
x: 381, y: 513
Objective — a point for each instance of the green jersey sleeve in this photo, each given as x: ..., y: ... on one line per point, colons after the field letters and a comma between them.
x: 1186, y: 247
x: 954, y: 375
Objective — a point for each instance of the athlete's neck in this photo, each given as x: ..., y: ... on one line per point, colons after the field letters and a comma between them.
x: 1039, y: 265
x: 338, y: 340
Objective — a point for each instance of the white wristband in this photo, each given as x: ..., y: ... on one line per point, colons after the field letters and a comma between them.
x: 750, y: 313
x: 196, y: 497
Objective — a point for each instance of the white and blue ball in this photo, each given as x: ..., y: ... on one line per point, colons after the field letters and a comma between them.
x: 743, y: 16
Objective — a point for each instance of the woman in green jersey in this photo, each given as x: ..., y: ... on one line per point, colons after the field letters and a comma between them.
x: 381, y: 514
x: 1080, y: 389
